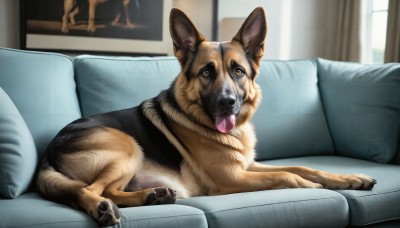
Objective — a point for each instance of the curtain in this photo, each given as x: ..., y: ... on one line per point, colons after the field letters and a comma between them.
x: 392, y: 49
x: 348, y: 40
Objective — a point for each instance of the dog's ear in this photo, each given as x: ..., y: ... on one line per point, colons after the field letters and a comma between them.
x: 184, y: 35
x: 252, y: 34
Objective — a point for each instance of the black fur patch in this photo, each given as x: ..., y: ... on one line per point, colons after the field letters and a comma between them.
x: 131, y: 121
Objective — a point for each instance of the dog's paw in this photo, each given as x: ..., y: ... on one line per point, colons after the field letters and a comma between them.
x: 367, y: 182
x: 353, y: 181
x: 107, y: 213
x: 161, y: 195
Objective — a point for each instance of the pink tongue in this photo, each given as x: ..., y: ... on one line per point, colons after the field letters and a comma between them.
x: 225, y: 123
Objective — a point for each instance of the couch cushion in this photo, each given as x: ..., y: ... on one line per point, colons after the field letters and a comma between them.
x: 112, y: 83
x: 30, y: 210
x: 290, y: 121
x: 362, y: 104
x: 274, y: 208
x: 18, y: 155
x: 168, y: 216
x: 42, y: 87
x: 366, y: 207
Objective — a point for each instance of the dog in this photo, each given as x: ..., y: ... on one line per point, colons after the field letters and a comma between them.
x: 192, y: 139
x: 72, y: 8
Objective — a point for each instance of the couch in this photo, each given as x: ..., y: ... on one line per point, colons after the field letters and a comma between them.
x: 334, y: 116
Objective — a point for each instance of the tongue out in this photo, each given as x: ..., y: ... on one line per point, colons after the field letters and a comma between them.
x: 225, y: 123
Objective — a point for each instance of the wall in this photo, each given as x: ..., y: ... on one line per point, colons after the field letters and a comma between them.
x: 296, y: 29
x: 200, y: 12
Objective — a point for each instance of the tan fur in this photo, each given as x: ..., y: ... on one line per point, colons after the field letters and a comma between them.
x: 109, y: 161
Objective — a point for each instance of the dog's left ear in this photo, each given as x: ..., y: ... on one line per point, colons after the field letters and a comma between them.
x: 185, y: 36
x: 252, y: 34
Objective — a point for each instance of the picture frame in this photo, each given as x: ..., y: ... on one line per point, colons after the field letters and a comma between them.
x: 136, y: 29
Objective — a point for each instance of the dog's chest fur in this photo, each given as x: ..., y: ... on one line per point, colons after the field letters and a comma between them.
x: 207, y: 152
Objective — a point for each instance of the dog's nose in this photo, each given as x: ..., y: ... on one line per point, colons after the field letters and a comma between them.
x: 226, y: 101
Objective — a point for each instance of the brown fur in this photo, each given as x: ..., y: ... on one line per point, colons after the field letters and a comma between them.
x: 109, y: 167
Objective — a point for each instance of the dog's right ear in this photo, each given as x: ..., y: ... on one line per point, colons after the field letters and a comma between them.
x: 184, y: 35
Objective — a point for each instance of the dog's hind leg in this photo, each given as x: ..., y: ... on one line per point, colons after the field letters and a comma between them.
x: 101, y: 197
x: 106, y: 158
x: 150, y: 196
x: 91, y: 198
x: 55, y: 185
x: 120, y: 194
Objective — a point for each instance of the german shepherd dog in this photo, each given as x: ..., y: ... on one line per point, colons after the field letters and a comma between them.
x: 192, y: 139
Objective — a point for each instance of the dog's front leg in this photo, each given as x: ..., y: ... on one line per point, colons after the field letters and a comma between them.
x: 328, y: 180
x: 240, y: 180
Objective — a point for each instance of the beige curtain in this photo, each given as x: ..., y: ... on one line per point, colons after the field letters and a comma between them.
x: 349, y: 29
x: 343, y: 40
x: 392, y: 49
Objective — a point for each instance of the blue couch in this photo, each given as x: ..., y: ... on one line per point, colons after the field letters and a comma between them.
x: 334, y: 116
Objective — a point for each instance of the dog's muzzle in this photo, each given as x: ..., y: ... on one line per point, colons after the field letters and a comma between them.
x: 227, y: 109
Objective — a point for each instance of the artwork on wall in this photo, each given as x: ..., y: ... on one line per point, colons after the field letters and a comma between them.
x: 138, y: 27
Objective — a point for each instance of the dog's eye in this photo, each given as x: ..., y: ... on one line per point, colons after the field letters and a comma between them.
x: 239, y: 72
x: 205, y: 73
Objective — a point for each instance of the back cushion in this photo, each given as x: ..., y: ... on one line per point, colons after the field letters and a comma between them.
x: 362, y: 104
x: 113, y: 83
x: 290, y: 121
x: 42, y: 87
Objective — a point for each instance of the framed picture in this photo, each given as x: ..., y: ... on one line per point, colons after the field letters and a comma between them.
x: 134, y: 27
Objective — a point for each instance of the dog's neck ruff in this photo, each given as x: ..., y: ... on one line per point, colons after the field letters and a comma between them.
x: 230, y: 140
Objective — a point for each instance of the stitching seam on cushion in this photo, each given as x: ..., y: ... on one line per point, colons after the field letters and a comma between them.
x: 382, y: 220
x: 49, y: 223
x: 292, y: 60
x: 133, y: 59
x: 85, y: 222
x: 294, y: 201
x: 175, y: 216
x: 78, y: 61
x: 38, y: 53
x: 356, y: 197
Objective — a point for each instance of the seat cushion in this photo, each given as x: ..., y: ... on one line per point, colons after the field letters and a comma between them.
x: 274, y: 208
x: 366, y: 207
x: 112, y: 83
x: 290, y: 121
x: 362, y: 105
x: 42, y: 87
x: 30, y: 210
x: 18, y: 157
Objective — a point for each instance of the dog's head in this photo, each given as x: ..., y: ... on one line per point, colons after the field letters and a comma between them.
x: 217, y: 84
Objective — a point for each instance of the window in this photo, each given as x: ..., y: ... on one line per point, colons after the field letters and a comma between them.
x: 376, y: 12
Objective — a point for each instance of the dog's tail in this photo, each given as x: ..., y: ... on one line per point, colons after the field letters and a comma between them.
x: 55, y: 185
